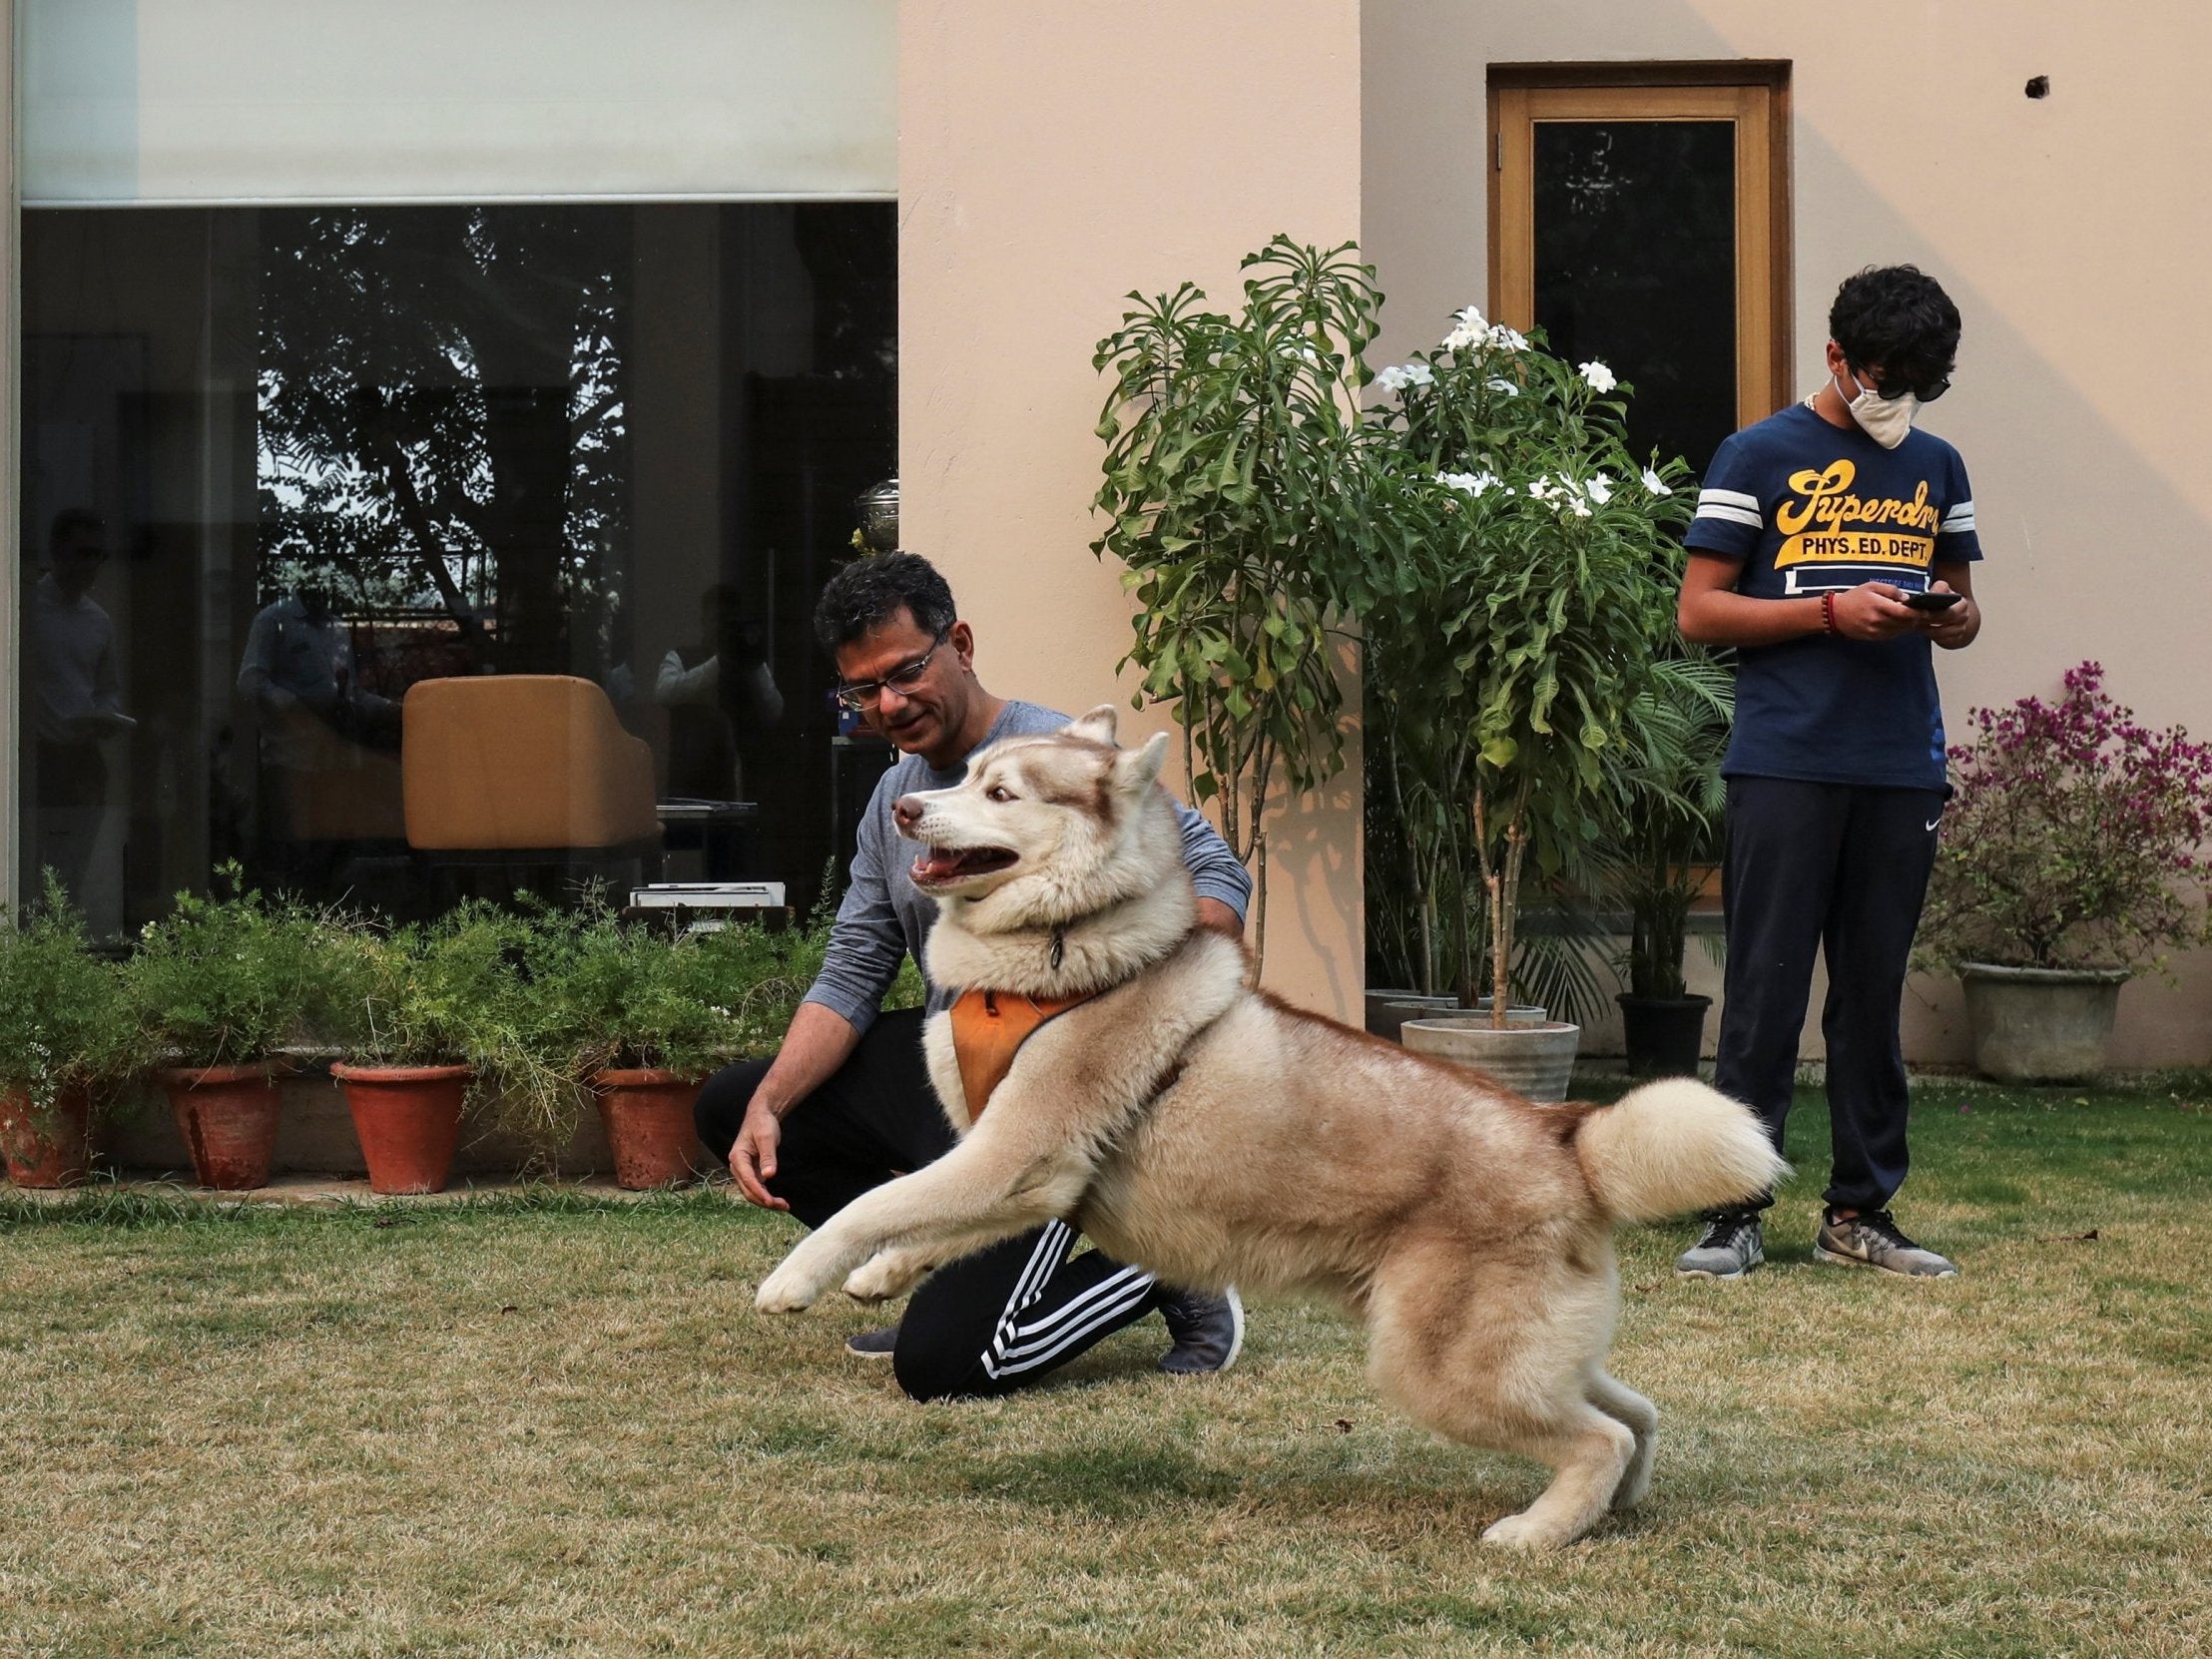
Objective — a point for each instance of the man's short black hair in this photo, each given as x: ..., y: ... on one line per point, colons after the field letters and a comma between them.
x: 867, y: 593
x: 72, y: 522
x: 1898, y: 318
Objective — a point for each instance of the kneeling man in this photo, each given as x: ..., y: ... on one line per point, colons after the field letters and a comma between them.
x: 846, y: 1104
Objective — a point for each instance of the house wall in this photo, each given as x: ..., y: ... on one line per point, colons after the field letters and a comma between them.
x: 1051, y: 160
x: 2068, y: 230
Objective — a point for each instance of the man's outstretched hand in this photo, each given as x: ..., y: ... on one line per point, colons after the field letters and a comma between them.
x: 752, y: 1156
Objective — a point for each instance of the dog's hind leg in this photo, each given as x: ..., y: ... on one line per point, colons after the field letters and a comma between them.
x: 1624, y: 1405
x: 1498, y: 1355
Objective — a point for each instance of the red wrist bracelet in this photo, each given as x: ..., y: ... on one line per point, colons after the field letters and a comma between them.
x: 1828, y: 613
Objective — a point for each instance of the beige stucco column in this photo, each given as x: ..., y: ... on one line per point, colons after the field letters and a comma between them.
x: 1052, y: 159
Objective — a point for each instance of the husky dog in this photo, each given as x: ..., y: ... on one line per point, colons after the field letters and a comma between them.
x: 1193, y: 1124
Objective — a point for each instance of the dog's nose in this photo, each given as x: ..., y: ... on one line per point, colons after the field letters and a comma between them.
x: 907, y: 810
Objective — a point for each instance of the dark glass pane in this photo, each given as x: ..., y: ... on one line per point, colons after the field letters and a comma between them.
x: 1636, y: 267
x: 282, y: 465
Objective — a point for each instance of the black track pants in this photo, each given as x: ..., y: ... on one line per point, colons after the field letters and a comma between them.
x: 1840, y: 869
x: 985, y: 1325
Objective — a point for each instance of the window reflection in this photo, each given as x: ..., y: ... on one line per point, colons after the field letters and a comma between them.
x: 281, y: 466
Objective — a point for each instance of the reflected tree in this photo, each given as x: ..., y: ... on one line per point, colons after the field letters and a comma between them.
x: 441, y: 418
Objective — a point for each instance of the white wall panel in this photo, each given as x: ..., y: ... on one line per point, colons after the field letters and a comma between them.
x: 232, y: 101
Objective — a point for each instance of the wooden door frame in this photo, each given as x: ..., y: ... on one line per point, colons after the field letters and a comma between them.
x: 1755, y: 94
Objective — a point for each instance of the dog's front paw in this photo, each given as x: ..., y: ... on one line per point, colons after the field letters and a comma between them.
x: 1520, y: 1532
x: 888, y: 1273
x: 791, y: 1288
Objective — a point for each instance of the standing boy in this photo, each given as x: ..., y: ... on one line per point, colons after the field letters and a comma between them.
x: 1824, y: 539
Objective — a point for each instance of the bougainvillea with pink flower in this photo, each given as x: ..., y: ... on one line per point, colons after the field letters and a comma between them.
x: 2076, y: 838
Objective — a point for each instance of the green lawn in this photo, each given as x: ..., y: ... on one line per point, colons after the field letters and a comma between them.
x: 556, y: 1427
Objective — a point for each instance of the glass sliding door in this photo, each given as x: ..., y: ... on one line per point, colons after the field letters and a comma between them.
x: 282, y: 463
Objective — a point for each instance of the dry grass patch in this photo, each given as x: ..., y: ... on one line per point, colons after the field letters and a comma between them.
x: 546, y: 1427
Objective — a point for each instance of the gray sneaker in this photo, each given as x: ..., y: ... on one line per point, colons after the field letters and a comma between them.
x: 872, y: 1345
x: 1207, y: 1332
x: 1872, y: 1239
x: 1733, y: 1245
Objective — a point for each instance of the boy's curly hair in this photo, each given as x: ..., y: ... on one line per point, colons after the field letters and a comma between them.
x: 1897, y: 317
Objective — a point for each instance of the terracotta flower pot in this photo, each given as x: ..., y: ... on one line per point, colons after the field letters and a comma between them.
x: 228, y: 1116
x: 408, y: 1120
x: 51, y: 1148
x: 648, y: 1115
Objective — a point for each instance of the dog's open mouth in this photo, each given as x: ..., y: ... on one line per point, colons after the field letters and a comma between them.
x: 939, y: 864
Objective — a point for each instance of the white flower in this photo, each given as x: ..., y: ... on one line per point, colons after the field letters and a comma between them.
x: 1599, y: 489
x: 1579, y: 507
x: 1469, y: 316
x: 1401, y: 375
x: 1654, y: 483
x: 1468, y: 483
x: 1540, y: 489
x: 1600, y: 377
x: 1505, y: 386
x: 1461, y: 337
x: 1508, y: 339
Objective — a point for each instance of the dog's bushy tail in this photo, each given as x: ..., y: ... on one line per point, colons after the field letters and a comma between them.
x: 1675, y: 1146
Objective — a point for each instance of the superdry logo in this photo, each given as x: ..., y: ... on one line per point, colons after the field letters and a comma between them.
x: 1816, y: 522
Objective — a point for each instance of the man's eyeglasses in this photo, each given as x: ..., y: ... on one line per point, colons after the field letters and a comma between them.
x: 866, y: 694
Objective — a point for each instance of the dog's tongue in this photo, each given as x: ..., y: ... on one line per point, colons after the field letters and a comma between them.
x: 935, y: 864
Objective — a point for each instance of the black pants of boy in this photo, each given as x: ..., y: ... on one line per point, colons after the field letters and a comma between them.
x: 987, y: 1323
x: 1840, y: 869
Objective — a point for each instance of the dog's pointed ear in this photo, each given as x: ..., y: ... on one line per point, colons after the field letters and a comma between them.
x: 1097, y: 726
x: 1139, y: 769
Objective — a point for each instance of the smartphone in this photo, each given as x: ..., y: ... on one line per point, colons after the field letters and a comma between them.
x: 1932, y: 601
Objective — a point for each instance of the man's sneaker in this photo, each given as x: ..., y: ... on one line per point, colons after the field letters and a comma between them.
x: 1872, y: 1239
x: 1733, y: 1245
x: 873, y: 1344
x: 1208, y: 1331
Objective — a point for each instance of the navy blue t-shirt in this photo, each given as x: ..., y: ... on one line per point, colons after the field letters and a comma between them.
x: 1811, y: 508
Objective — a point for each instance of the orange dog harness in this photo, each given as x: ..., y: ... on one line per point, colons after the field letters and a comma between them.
x: 988, y: 1029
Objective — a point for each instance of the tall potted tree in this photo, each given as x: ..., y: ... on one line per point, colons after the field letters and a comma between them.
x: 1229, y: 441
x: 1521, y: 596
x: 66, y: 1041
x: 2070, y: 859
x: 221, y: 987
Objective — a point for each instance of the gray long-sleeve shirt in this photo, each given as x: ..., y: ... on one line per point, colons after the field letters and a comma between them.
x: 884, y: 917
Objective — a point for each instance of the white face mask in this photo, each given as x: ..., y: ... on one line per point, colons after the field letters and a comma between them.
x: 1883, y: 419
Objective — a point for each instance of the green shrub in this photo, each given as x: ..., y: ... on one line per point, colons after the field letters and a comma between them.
x: 632, y: 996
x: 229, y: 981
x: 62, y: 1022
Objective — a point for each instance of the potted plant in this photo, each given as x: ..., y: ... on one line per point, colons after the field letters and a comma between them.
x: 220, y: 986
x: 2069, y: 860
x: 428, y: 1016
x: 1229, y: 439
x: 65, y: 1042
x: 1517, y: 600
x: 643, y: 1019
x: 1668, y: 805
